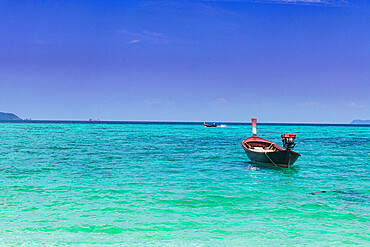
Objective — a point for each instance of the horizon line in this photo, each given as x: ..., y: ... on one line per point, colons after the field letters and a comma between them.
x: 169, y: 121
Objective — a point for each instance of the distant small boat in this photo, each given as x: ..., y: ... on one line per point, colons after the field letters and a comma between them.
x: 210, y: 125
x: 263, y: 151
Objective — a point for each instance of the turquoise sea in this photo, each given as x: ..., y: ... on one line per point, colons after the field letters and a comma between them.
x: 130, y: 184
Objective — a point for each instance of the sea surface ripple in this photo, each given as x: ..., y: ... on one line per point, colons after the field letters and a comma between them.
x: 180, y: 185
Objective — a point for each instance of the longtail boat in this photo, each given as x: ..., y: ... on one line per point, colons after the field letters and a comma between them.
x: 263, y: 151
x: 210, y: 125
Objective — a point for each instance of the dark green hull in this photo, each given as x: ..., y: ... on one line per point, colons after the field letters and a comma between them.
x: 283, y: 159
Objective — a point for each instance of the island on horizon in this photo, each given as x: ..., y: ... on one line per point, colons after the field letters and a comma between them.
x: 359, y: 121
x: 4, y: 116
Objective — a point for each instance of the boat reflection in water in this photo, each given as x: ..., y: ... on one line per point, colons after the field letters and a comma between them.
x: 263, y: 151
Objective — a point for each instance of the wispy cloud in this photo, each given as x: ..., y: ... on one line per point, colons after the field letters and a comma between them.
x: 134, y: 41
x: 153, y: 101
x: 309, y: 103
x: 158, y: 101
x: 221, y: 100
x: 40, y: 42
x: 354, y: 105
x: 144, y: 36
x: 301, y: 2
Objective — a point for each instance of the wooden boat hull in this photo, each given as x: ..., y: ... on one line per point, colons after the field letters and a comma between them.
x: 210, y: 125
x: 263, y: 151
x: 283, y: 159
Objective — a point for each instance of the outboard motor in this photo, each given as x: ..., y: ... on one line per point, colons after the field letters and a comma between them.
x: 288, y: 141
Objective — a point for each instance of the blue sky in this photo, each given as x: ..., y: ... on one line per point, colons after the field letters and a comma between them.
x: 277, y: 60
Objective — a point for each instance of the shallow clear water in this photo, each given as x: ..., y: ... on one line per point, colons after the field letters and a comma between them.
x: 180, y: 185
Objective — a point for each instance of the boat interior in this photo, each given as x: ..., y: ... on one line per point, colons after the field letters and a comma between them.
x: 261, y: 146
